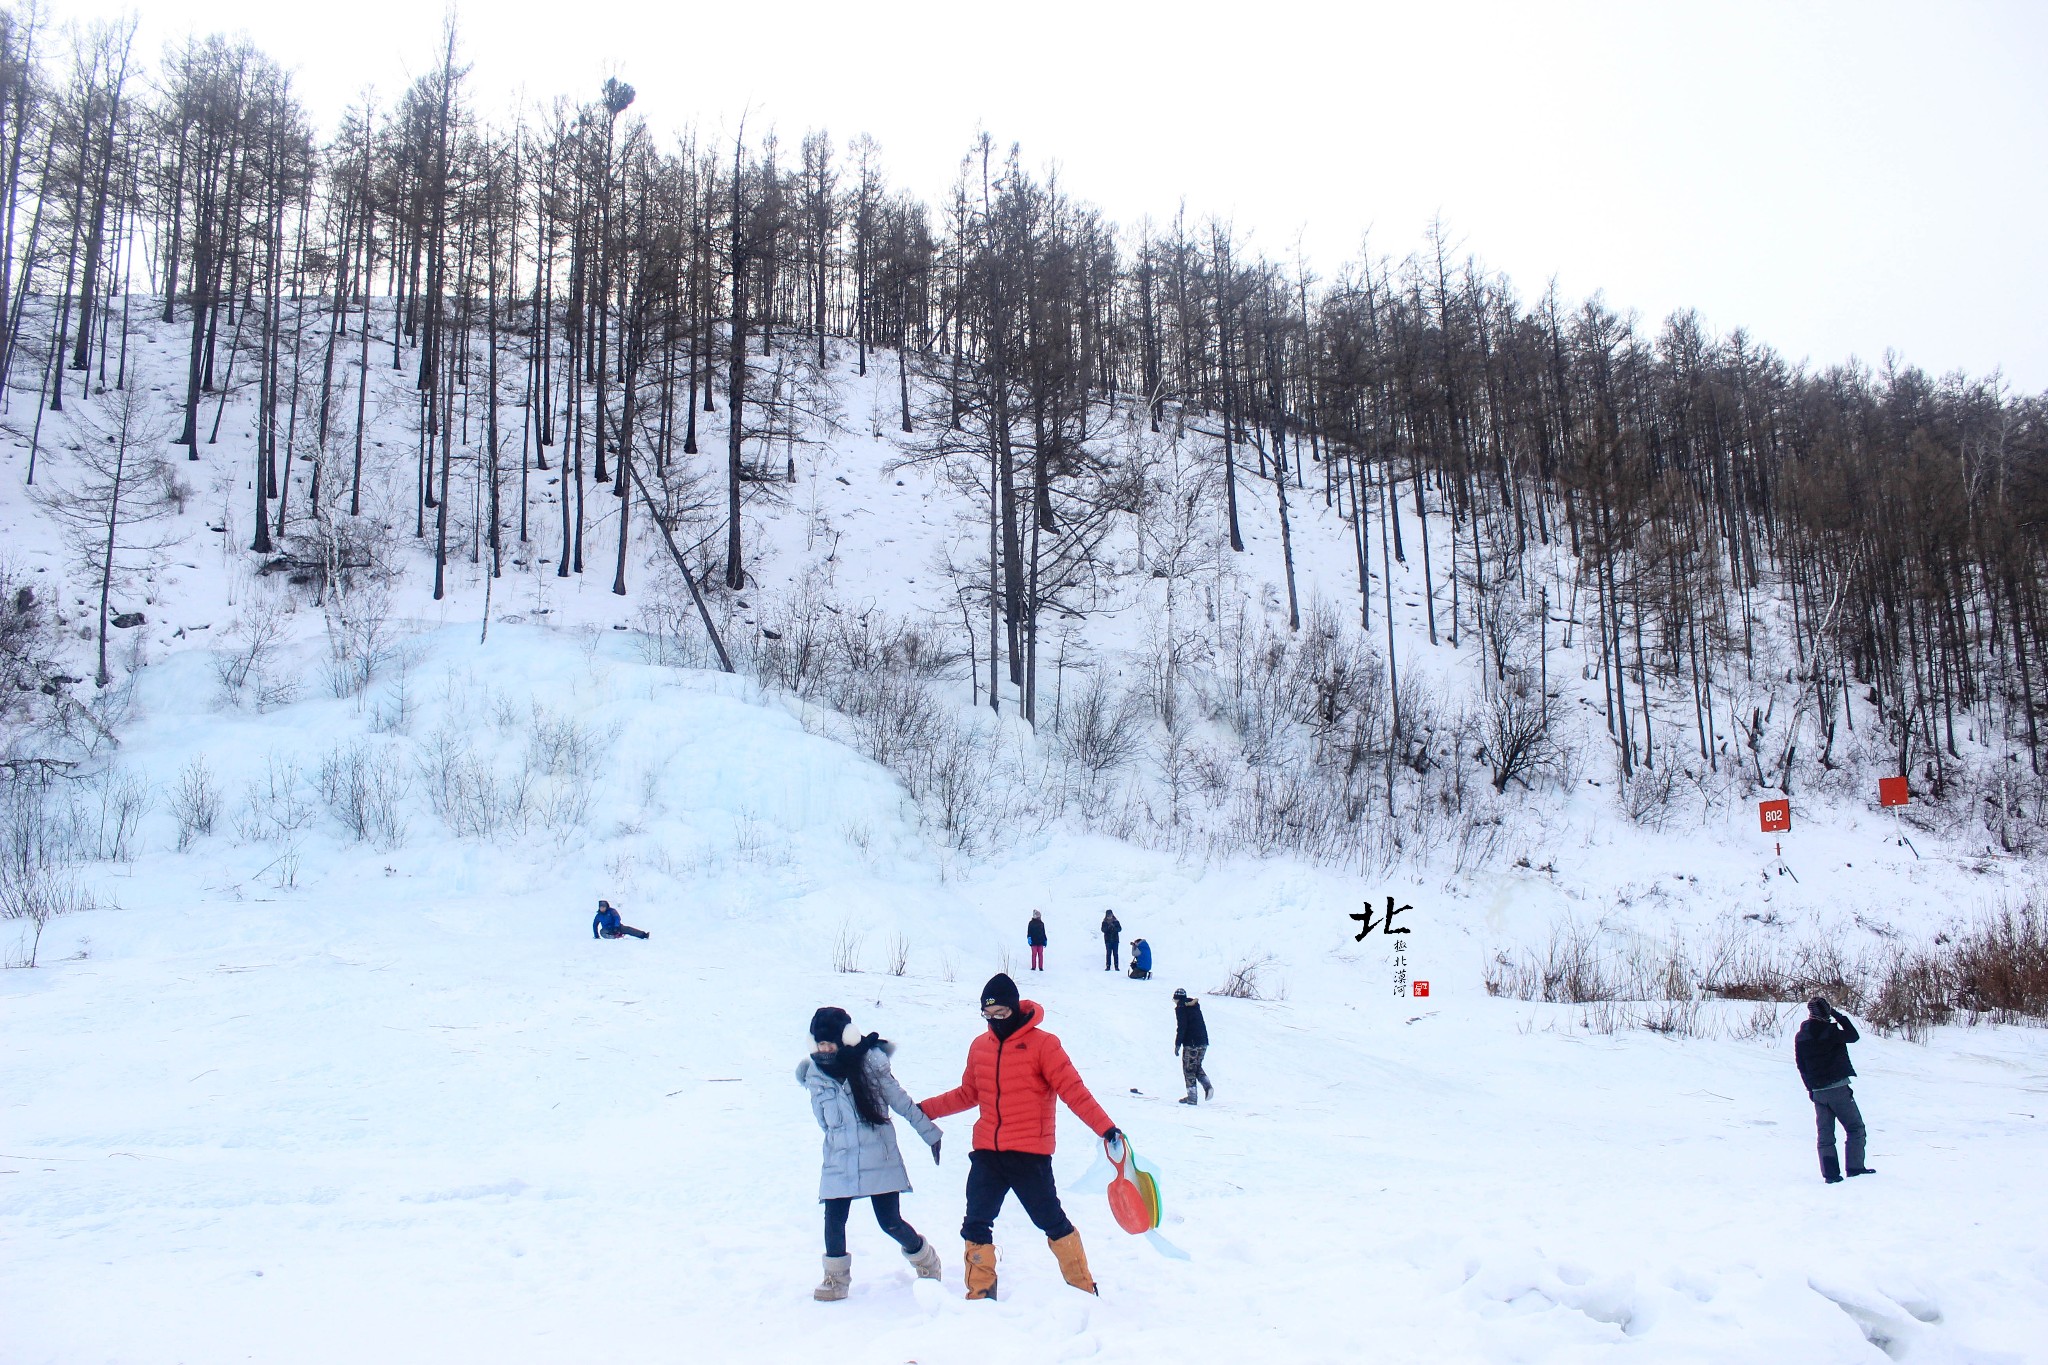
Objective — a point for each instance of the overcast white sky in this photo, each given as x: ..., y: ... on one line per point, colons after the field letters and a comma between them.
x: 1838, y: 178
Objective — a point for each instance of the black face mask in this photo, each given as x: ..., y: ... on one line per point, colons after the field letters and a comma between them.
x: 833, y: 1064
x: 1003, y: 1028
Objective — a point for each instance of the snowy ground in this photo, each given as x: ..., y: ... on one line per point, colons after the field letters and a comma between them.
x: 303, y: 1099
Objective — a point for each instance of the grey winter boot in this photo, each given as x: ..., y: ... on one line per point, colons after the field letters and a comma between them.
x: 1190, y: 1096
x: 925, y: 1262
x: 838, y: 1279
x: 1208, y: 1090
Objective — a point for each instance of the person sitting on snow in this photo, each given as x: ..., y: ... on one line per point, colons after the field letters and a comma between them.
x: 1014, y: 1071
x: 605, y: 924
x: 1141, y: 960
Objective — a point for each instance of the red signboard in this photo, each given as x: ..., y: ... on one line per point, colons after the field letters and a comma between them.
x: 1891, y: 791
x: 1421, y: 989
x: 1774, y: 816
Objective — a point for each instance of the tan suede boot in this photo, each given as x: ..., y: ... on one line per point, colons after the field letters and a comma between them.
x: 838, y: 1279
x: 981, y: 1270
x: 1073, y: 1261
x: 925, y: 1262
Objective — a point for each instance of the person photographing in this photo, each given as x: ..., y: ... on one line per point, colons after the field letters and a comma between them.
x: 1821, y: 1051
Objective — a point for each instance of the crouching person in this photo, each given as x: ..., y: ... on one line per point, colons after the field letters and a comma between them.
x: 1014, y: 1071
x: 852, y: 1091
x: 607, y: 924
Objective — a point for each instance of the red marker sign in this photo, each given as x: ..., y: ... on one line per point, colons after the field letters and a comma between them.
x: 1775, y: 816
x: 1421, y: 989
x: 1891, y: 791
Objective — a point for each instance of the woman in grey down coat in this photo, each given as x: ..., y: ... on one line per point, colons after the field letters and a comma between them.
x: 852, y: 1090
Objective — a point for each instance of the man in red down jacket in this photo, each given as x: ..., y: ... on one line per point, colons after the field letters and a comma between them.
x: 1013, y: 1073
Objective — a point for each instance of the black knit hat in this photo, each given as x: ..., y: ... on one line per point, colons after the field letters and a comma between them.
x: 1819, y: 1007
x: 1180, y: 993
x: 1000, y: 990
x: 829, y: 1024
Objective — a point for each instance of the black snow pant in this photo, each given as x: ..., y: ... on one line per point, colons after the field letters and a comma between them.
x: 1191, y: 1073
x: 990, y: 1178
x: 888, y: 1213
x: 625, y: 929
x: 1837, y: 1102
x: 1109, y: 953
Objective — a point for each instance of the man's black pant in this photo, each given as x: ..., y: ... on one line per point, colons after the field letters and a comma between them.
x: 1837, y: 1102
x: 624, y: 930
x: 1109, y: 955
x: 888, y: 1212
x: 991, y: 1176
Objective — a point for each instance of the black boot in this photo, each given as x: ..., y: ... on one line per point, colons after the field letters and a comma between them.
x: 1864, y: 1170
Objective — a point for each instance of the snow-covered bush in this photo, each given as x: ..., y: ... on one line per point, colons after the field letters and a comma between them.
x: 465, y: 791
x: 365, y: 789
x: 248, y: 668
x: 195, y: 803
x: 1100, y: 730
x: 37, y: 840
x: 275, y: 803
x: 107, y: 809
x: 28, y: 641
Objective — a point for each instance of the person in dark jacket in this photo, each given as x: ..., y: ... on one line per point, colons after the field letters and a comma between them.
x: 1034, y: 934
x: 605, y: 924
x: 1821, y: 1051
x: 1191, y: 1042
x: 1141, y: 960
x: 1014, y: 1072
x: 1112, y: 930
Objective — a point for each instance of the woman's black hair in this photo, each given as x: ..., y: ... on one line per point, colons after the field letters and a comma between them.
x: 849, y: 1064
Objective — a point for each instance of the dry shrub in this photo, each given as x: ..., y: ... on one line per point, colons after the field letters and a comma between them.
x: 846, y: 946
x: 1569, y: 969
x: 1248, y: 979
x: 1997, y: 968
x: 2001, y: 966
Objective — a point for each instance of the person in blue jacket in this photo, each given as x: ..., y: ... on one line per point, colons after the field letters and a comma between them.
x: 605, y: 924
x: 1141, y: 960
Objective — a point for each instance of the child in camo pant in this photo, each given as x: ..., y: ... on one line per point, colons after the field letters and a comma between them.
x: 1191, y: 1041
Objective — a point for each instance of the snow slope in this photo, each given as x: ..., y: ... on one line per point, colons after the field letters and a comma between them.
x: 396, y: 1104
x: 301, y: 1097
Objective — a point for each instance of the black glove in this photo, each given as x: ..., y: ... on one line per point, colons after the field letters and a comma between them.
x: 1112, y: 1133
x: 935, y: 1150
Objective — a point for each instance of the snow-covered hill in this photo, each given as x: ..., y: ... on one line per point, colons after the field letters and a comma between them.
x: 307, y: 1098
x: 344, y: 1075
